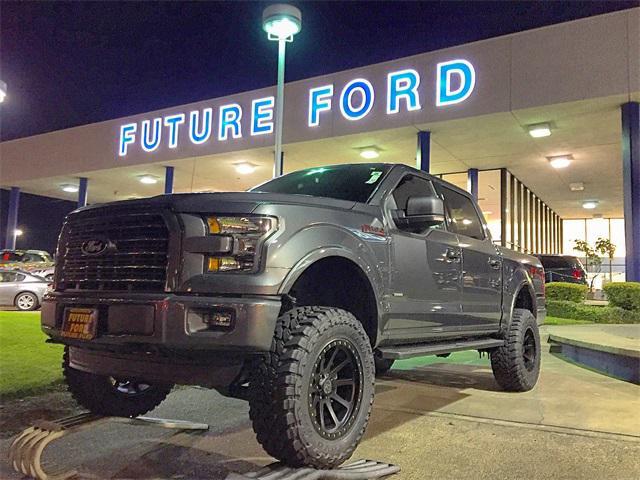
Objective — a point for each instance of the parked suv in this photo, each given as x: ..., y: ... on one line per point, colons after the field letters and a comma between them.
x: 290, y: 295
x: 563, y: 268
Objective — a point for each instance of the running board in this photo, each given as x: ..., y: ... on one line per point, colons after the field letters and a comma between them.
x: 399, y: 352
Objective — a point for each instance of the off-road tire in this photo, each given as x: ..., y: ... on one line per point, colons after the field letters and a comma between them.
x: 383, y: 365
x: 516, y: 365
x: 280, y: 387
x: 97, y: 393
x: 32, y: 305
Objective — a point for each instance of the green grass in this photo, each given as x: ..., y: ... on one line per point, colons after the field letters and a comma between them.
x: 460, y: 358
x: 27, y: 364
x: 564, y: 321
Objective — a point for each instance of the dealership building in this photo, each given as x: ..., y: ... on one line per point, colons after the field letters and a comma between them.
x: 542, y: 126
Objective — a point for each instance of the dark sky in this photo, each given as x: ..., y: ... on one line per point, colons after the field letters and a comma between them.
x: 72, y: 63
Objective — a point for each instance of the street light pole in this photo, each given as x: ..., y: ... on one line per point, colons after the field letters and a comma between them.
x: 281, y: 22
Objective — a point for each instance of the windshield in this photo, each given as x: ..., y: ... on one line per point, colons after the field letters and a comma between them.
x: 355, y: 183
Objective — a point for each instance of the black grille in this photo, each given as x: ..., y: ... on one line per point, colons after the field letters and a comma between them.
x: 136, y: 259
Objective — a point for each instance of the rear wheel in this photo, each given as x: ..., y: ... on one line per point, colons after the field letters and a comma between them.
x: 310, y: 399
x: 26, y: 301
x: 111, y: 396
x: 516, y: 365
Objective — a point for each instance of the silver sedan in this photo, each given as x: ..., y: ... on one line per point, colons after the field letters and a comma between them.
x: 22, y: 289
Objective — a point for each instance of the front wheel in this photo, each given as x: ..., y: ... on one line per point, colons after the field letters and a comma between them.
x: 516, y: 365
x: 109, y: 396
x: 311, y: 398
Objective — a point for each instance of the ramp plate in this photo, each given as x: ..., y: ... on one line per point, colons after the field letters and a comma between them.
x: 360, y: 470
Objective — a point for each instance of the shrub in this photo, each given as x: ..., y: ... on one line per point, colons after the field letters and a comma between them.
x: 623, y: 294
x: 573, y: 292
x: 591, y: 313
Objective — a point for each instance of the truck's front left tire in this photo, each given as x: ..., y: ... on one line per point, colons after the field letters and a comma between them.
x: 310, y: 398
x: 112, y: 397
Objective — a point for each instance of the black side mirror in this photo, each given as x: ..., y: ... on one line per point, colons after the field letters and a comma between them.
x: 422, y: 212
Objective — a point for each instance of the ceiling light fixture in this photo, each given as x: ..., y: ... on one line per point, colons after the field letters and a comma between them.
x: 70, y: 188
x: 370, y: 152
x: 590, y: 204
x: 245, y: 168
x: 539, y: 130
x: 560, y: 161
x: 576, y: 187
x: 148, y: 179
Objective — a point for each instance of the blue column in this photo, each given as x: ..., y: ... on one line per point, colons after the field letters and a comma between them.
x: 423, y: 151
x: 82, y: 192
x: 472, y: 182
x: 12, y: 218
x: 168, y: 180
x: 631, y: 187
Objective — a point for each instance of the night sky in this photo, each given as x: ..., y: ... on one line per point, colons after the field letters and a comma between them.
x: 73, y: 63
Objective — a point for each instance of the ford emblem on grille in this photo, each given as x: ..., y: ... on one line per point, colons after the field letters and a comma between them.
x: 94, y: 247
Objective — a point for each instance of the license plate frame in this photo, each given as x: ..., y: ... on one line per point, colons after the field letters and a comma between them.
x: 80, y: 323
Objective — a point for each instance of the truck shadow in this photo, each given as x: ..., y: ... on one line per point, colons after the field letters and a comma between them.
x: 448, y: 375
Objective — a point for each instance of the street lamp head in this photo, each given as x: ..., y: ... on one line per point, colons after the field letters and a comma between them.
x: 3, y: 91
x: 281, y: 21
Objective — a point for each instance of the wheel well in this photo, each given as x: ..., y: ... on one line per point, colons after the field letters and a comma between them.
x: 525, y: 300
x: 338, y: 282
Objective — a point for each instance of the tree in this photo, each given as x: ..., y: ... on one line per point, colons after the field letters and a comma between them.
x: 592, y: 261
x: 608, y: 249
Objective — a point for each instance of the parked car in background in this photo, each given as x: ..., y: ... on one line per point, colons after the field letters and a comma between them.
x: 22, y: 289
x: 563, y: 268
x: 38, y: 262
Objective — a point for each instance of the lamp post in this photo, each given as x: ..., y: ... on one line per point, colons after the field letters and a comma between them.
x: 281, y: 22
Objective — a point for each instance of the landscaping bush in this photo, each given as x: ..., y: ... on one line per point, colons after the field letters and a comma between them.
x: 624, y: 295
x: 591, y: 313
x: 573, y: 292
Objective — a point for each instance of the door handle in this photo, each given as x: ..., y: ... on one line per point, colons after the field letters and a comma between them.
x: 495, y: 263
x: 453, y: 255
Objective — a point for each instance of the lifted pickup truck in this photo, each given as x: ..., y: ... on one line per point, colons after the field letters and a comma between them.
x: 290, y: 295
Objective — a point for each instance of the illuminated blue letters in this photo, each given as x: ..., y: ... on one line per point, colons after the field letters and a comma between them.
x: 346, y: 104
x: 173, y: 121
x: 147, y: 144
x: 403, y: 84
x: 230, y: 116
x: 319, y: 101
x: 445, y: 94
x: 127, y: 136
x: 201, y: 136
x: 262, y: 116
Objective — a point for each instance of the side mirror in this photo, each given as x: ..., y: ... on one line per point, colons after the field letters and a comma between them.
x: 422, y: 212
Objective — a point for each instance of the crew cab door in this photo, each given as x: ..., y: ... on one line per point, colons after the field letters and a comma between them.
x: 481, y: 263
x: 425, y: 274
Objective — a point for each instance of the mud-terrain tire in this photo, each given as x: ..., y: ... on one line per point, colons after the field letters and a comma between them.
x: 516, y: 365
x: 317, y: 353
x: 383, y: 365
x: 106, y: 396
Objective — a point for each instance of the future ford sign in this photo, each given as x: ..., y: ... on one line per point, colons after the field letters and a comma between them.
x: 455, y: 81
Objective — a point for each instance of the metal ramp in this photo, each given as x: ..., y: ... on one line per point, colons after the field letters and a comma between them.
x: 360, y: 470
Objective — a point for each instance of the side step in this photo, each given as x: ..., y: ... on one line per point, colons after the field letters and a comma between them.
x: 398, y: 352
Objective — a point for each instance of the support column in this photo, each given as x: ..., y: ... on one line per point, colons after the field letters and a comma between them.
x: 631, y: 187
x: 12, y: 218
x: 472, y: 182
x: 168, y: 180
x: 83, y: 187
x: 423, y: 151
x: 278, y: 168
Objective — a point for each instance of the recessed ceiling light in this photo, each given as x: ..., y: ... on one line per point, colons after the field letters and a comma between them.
x: 539, y: 130
x: 148, y: 179
x: 560, y: 161
x: 370, y: 152
x: 245, y: 168
x: 68, y: 187
x: 576, y: 187
x: 590, y: 205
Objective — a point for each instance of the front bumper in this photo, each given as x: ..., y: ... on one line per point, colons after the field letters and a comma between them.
x: 168, y: 321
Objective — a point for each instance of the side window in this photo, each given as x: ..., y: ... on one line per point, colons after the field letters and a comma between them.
x: 20, y: 277
x: 463, y: 218
x: 8, y: 277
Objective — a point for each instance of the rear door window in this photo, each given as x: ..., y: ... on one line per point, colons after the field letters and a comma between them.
x: 462, y: 216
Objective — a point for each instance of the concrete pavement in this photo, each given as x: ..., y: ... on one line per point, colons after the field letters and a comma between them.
x: 435, y: 418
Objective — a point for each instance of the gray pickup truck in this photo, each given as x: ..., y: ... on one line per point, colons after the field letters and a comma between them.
x: 292, y: 295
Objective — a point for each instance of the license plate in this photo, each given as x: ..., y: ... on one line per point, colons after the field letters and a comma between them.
x: 80, y: 323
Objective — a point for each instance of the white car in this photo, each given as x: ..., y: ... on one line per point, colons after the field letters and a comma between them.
x: 22, y: 289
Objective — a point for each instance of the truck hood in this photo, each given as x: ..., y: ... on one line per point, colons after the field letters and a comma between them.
x: 233, y: 202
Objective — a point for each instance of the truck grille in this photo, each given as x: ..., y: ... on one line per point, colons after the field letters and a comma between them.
x: 135, y: 258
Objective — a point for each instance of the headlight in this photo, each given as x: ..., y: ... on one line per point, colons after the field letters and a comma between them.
x: 248, y: 234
